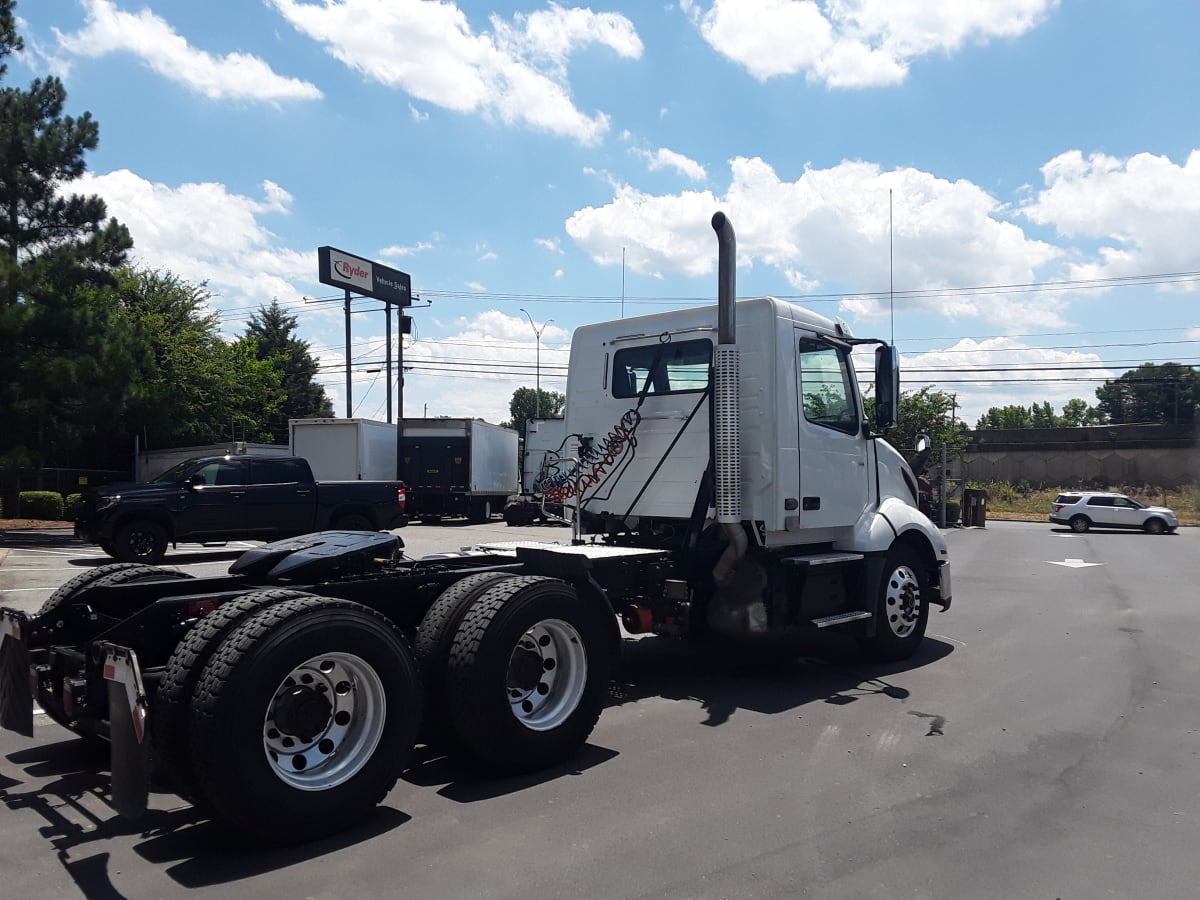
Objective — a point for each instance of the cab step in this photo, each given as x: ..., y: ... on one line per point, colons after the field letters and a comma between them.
x: 821, y: 559
x: 853, y: 615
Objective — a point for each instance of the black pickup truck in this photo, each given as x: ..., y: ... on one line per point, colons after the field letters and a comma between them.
x: 222, y: 498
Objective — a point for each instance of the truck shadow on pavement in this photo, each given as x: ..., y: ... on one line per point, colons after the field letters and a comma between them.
x: 72, y: 798
x: 767, y: 678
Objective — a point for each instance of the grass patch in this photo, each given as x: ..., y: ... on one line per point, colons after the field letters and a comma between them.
x: 1021, y: 502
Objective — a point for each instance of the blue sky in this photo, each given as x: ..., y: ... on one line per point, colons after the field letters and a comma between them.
x: 1041, y: 159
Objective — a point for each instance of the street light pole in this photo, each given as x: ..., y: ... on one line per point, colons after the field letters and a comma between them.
x: 537, y: 400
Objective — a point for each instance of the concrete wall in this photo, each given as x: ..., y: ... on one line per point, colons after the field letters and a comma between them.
x: 1159, y: 455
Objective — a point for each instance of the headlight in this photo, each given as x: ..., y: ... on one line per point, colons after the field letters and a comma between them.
x: 108, y: 502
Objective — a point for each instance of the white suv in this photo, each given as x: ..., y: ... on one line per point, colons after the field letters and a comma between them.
x: 1082, y: 510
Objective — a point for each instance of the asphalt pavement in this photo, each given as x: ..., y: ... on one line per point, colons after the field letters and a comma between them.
x: 1045, y: 742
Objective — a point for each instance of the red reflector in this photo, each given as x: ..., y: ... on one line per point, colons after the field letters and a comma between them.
x: 401, y: 497
x: 198, y: 608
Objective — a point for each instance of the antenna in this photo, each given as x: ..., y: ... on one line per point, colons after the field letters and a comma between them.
x: 622, y: 282
x: 891, y: 300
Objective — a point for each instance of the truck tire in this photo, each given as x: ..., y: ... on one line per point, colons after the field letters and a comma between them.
x: 479, y: 510
x: 303, y: 719
x: 902, y: 607
x: 353, y: 522
x: 170, y: 727
x: 141, y: 541
x: 527, y: 674
x: 435, y: 636
x: 113, y: 573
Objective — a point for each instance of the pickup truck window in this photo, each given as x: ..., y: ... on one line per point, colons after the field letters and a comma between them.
x: 680, y: 368
x: 825, y: 386
x: 223, y: 471
x: 279, y: 471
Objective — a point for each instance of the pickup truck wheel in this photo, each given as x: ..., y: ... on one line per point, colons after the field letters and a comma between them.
x: 141, y: 541
x: 108, y: 548
x: 353, y: 522
x: 527, y: 674
x: 902, y: 608
x: 172, y: 714
x: 435, y: 636
x: 303, y: 719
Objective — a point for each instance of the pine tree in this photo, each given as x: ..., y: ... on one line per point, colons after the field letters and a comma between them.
x: 273, y: 332
x: 55, y: 248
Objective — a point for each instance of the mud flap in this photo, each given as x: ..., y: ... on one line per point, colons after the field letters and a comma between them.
x: 127, y: 723
x: 16, y: 697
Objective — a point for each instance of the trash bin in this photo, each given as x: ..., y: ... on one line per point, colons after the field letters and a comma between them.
x: 970, y: 503
x: 981, y: 510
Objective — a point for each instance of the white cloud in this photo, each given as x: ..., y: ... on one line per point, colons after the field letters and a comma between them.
x: 830, y: 228
x: 476, y: 286
x: 236, y: 76
x: 554, y: 245
x: 396, y: 250
x: 489, y: 256
x: 1012, y: 387
x: 516, y: 74
x: 559, y: 273
x: 663, y: 158
x: 417, y: 115
x: 853, y: 43
x: 1144, y: 212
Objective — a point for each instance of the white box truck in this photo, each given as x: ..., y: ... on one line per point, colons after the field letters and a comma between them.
x: 548, y: 452
x: 457, y: 467
x: 345, y: 449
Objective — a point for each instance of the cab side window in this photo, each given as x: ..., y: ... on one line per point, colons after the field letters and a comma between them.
x: 825, y: 387
x: 673, y: 368
x: 223, y: 472
x: 278, y: 471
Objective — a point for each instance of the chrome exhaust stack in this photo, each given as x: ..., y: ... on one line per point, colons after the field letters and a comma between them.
x: 727, y: 446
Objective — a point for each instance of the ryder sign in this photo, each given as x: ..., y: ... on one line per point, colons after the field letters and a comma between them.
x: 341, y: 269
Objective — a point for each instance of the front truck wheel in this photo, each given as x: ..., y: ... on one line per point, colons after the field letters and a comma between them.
x: 527, y: 674
x: 902, y: 605
x: 141, y: 541
x: 304, y: 718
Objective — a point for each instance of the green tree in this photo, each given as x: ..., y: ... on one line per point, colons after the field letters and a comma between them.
x: 55, y: 247
x: 1076, y: 412
x: 1167, y: 393
x: 272, y: 333
x: 1011, y: 416
x: 187, y: 385
x: 926, y: 411
x: 526, y: 404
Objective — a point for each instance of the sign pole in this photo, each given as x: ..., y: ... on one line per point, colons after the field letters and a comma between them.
x: 387, y: 315
x: 349, y: 408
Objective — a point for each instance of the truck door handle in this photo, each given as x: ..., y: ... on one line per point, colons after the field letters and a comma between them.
x: 236, y: 493
x: 304, y: 493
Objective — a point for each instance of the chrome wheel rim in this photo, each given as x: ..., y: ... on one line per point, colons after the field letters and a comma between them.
x: 324, y: 721
x: 547, y: 675
x: 902, y: 601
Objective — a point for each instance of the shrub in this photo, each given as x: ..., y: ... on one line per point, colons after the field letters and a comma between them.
x: 71, y: 506
x: 40, y: 505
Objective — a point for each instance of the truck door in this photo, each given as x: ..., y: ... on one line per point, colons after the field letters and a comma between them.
x: 280, y: 497
x: 434, y: 469
x: 215, y: 506
x: 834, y: 483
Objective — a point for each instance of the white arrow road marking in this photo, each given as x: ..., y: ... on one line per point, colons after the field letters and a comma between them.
x: 1073, y: 563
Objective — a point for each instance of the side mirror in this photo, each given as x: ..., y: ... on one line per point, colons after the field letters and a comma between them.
x: 887, y: 388
x: 923, y: 446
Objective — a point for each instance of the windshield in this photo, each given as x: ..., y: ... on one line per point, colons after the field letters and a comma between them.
x: 175, y: 473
